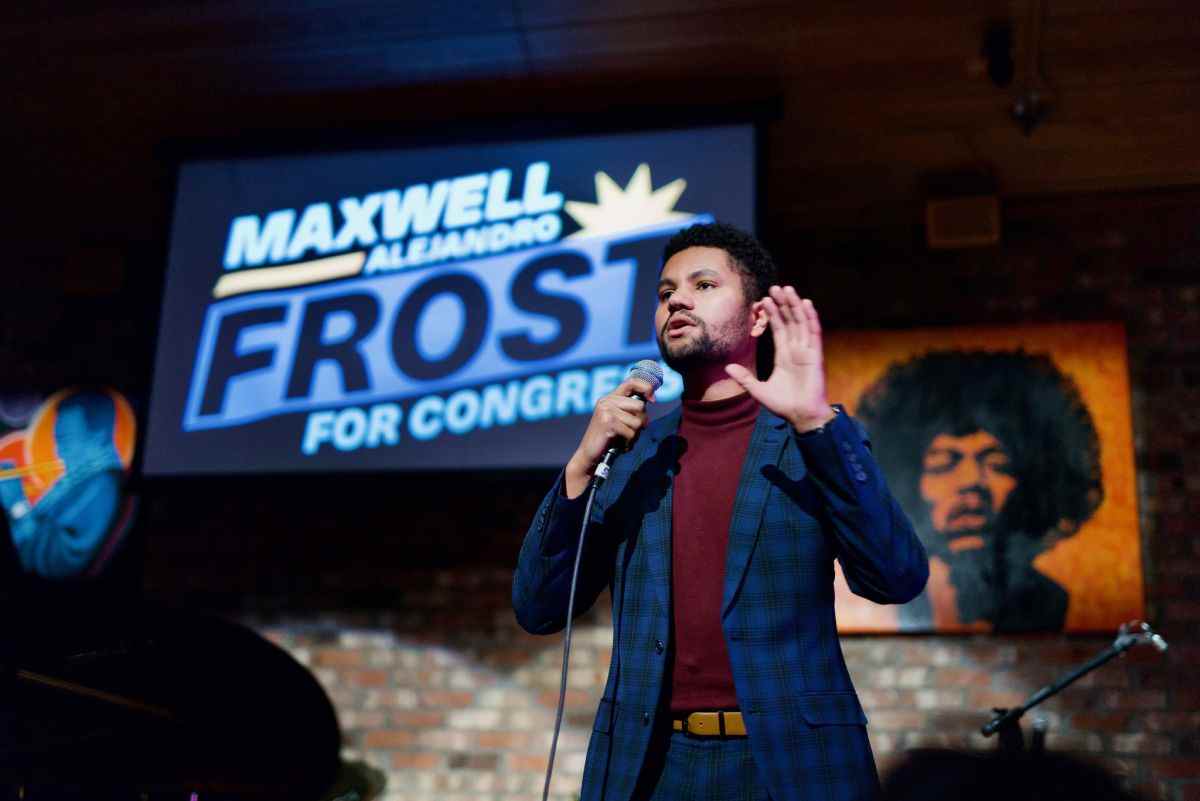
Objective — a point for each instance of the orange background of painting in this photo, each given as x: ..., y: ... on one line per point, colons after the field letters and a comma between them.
x: 35, y: 444
x: 1101, y: 565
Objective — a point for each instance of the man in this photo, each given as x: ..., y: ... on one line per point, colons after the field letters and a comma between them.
x: 717, y: 533
x: 996, y: 457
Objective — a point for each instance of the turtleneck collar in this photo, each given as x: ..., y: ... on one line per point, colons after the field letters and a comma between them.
x: 720, y: 413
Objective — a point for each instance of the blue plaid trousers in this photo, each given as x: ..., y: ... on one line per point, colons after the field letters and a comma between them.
x: 681, y: 767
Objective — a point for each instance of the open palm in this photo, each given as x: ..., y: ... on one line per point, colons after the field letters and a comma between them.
x: 795, y: 389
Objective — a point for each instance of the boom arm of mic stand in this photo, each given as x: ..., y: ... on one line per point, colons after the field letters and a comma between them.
x: 1124, y: 641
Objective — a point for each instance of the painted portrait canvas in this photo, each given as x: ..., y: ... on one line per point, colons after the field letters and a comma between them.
x: 1011, y: 451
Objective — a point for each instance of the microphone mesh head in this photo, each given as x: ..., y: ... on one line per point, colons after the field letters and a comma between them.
x: 649, y: 371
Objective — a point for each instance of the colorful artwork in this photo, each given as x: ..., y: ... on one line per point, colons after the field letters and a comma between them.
x: 1011, y: 450
x: 62, y: 468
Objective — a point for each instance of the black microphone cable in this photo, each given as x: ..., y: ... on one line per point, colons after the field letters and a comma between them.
x: 593, y: 485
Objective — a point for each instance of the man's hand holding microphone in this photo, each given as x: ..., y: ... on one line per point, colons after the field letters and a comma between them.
x: 616, y: 422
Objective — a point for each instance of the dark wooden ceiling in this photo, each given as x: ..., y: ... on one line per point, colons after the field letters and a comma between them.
x: 872, y: 96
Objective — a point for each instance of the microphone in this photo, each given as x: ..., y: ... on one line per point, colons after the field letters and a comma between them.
x: 649, y: 371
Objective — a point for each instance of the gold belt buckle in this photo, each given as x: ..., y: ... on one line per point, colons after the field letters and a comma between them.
x: 706, y: 724
x: 713, y: 724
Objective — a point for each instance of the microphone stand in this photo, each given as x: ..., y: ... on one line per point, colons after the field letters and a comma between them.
x: 1008, y: 721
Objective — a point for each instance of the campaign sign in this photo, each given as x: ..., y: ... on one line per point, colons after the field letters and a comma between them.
x: 456, y: 307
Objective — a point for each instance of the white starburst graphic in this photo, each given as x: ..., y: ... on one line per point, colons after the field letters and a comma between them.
x: 635, y: 206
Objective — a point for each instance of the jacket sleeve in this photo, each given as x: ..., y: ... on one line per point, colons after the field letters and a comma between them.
x: 881, y: 556
x: 542, y: 581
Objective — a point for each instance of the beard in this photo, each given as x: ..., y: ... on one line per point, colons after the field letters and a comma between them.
x: 705, y: 346
x: 694, y: 350
x: 988, y: 580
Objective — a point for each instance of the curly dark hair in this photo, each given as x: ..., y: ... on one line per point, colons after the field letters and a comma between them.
x: 746, y: 254
x: 1022, y: 399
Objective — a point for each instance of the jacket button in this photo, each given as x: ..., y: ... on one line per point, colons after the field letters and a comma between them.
x: 658, y: 646
x: 861, y: 476
x: 645, y: 718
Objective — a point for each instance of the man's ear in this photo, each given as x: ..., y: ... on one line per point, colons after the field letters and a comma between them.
x: 761, y: 321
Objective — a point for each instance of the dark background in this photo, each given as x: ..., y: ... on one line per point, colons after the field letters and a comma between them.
x: 868, y: 103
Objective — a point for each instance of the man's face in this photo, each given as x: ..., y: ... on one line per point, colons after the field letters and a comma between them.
x: 702, y: 314
x: 966, y: 482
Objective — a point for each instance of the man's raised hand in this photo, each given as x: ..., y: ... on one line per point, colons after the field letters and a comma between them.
x: 795, y: 389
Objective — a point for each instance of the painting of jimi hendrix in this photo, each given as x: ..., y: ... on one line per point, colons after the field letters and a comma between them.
x: 1011, y: 452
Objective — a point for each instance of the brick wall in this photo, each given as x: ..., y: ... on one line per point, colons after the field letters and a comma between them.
x: 449, y: 696
x: 464, y: 707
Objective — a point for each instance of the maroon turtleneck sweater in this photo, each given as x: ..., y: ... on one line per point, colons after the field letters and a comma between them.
x: 717, y: 436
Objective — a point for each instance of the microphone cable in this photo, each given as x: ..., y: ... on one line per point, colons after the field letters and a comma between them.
x: 593, y: 485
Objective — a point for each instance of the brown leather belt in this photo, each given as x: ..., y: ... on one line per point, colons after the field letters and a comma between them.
x: 711, y: 724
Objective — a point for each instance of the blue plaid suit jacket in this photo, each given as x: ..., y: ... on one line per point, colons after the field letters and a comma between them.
x: 802, y: 501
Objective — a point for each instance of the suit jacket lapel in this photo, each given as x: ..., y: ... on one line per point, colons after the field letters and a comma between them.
x: 765, y: 448
x: 658, y: 523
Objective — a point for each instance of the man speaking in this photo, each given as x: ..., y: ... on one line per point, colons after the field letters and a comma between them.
x: 717, y: 532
